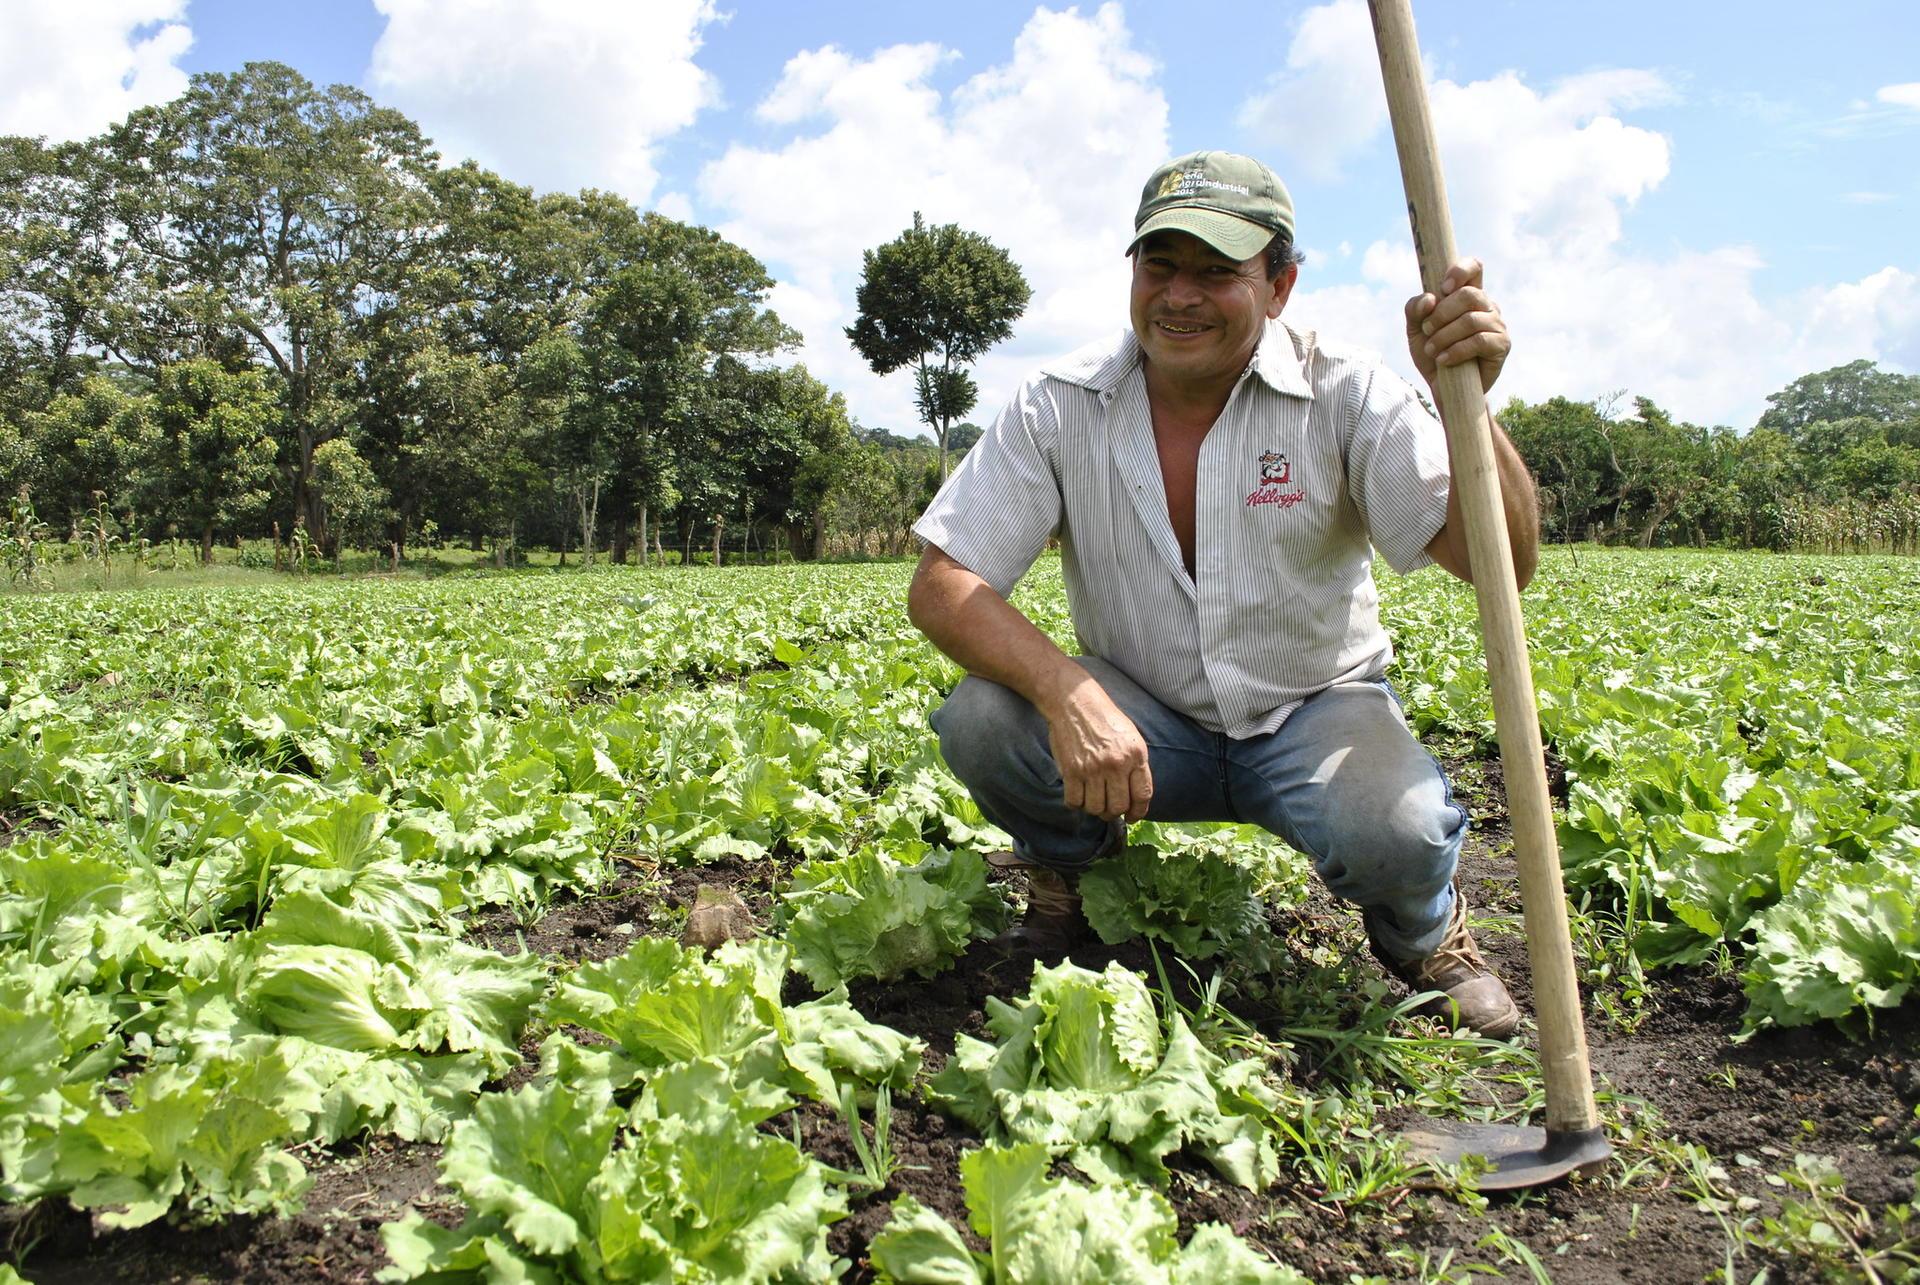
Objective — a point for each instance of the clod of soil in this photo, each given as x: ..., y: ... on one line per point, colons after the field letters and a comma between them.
x: 718, y: 916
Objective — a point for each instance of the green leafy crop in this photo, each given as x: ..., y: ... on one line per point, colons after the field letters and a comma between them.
x: 1084, y: 1068
x: 1044, y: 1231
x: 872, y: 915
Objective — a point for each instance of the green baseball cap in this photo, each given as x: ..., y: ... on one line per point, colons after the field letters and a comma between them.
x: 1233, y: 203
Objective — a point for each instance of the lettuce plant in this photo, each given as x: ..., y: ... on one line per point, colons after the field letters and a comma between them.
x: 560, y: 1184
x: 870, y: 914
x: 1084, y: 1068
x: 663, y: 1004
x: 1198, y: 902
x: 1044, y: 1231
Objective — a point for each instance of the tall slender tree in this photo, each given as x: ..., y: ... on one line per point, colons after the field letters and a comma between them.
x: 935, y: 299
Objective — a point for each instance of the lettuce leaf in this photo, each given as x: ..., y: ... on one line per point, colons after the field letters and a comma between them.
x: 561, y: 1186
x: 664, y: 1005
x: 203, y: 1140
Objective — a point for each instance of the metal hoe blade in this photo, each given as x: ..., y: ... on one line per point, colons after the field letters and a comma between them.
x: 1517, y: 1155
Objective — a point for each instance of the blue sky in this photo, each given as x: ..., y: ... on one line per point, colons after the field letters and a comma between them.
x: 1694, y: 202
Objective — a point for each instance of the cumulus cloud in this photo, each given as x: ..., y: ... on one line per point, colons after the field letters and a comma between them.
x: 1043, y: 152
x: 1542, y: 183
x: 68, y: 71
x: 1327, y: 101
x: 1907, y: 95
x: 551, y: 92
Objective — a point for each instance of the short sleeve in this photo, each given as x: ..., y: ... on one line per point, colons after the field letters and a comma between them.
x: 996, y: 512
x: 1397, y: 469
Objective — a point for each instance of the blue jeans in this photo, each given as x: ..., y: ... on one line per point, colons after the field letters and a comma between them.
x: 1343, y: 781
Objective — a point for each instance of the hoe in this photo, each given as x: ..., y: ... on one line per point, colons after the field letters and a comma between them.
x: 1516, y: 1155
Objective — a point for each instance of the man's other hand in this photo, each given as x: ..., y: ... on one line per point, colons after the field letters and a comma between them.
x: 1461, y: 325
x: 1102, y: 760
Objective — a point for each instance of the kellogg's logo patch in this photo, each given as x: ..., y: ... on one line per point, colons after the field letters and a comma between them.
x: 1276, y: 483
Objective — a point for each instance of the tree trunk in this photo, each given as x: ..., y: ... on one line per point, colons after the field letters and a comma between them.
x: 589, y: 505
x: 644, y: 559
x: 206, y: 545
x: 719, y: 525
x: 1653, y: 524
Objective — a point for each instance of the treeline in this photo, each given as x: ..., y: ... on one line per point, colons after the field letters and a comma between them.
x: 1833, y: 466
x: 266, y: 307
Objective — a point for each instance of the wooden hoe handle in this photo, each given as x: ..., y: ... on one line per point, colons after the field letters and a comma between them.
x: 1463, y: 409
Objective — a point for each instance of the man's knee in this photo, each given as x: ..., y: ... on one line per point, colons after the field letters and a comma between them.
x: 1388, y: 843
x: 982, y: 725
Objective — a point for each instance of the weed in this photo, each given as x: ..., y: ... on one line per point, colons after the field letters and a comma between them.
x: 1516, y: 1252
x: 878, y: 1162
x: 1834, y: 1233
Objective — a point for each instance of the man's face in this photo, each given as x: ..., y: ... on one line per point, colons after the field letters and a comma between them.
x: 1197, y: 313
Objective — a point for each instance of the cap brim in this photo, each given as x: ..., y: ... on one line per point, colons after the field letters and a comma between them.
x: 1235, y: 237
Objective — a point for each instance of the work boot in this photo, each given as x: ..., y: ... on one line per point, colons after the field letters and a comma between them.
x: 1475, y: 997
x: 1053, y: 924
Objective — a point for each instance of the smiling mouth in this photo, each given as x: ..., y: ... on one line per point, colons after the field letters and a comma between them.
x: 1181, y: 327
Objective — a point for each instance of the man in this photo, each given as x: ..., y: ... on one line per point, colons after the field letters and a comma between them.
x: 1218, y: 482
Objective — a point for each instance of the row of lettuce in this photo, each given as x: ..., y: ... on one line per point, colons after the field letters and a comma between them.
x: 1741, y: 755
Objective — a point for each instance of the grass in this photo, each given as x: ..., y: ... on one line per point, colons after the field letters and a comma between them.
x: 67, y: 569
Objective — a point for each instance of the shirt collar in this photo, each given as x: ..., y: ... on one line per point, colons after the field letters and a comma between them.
x: 1281, y: 360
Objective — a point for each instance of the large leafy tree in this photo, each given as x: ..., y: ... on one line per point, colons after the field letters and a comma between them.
x: 269, y: 218
x: 1857, y: 390
x: 1566, y: 443
x: 94, y: 440
x: 663, y: 302
x: 935, y: 299
x: 60, y: 268
x: 442, y: 384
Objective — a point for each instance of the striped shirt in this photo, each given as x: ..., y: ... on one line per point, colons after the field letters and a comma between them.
x: 1321, y: 456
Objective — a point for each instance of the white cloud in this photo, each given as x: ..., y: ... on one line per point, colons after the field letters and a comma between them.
x: 1878, y: 316
x: 1328, y: 102
x: 69, y: 70
x: 1043, y: 152
x: 549, y: 92
x: 1907, y: 95
x: 1542, y: 183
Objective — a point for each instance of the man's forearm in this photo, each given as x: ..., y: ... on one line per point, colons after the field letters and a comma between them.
x: 1522, y: 509
x: 987, y: 636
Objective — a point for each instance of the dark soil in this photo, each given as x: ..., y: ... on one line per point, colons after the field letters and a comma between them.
x: 16, y: 825
x: 1752, y: 1105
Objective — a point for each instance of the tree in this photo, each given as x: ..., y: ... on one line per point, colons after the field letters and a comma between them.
x: 660, y: 303
x: 349, y: 495
x: 1859, y: 389
x: 1565, y: 443
x: 1663, y: 466
x: 96, y: 438
x: 61, y: 268
x: 446, y: 353
x: 212, y: 457
x: 266, y: 217
x: 936, y: 299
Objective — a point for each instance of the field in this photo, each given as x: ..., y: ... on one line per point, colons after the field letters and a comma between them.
x: 339, y: 929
